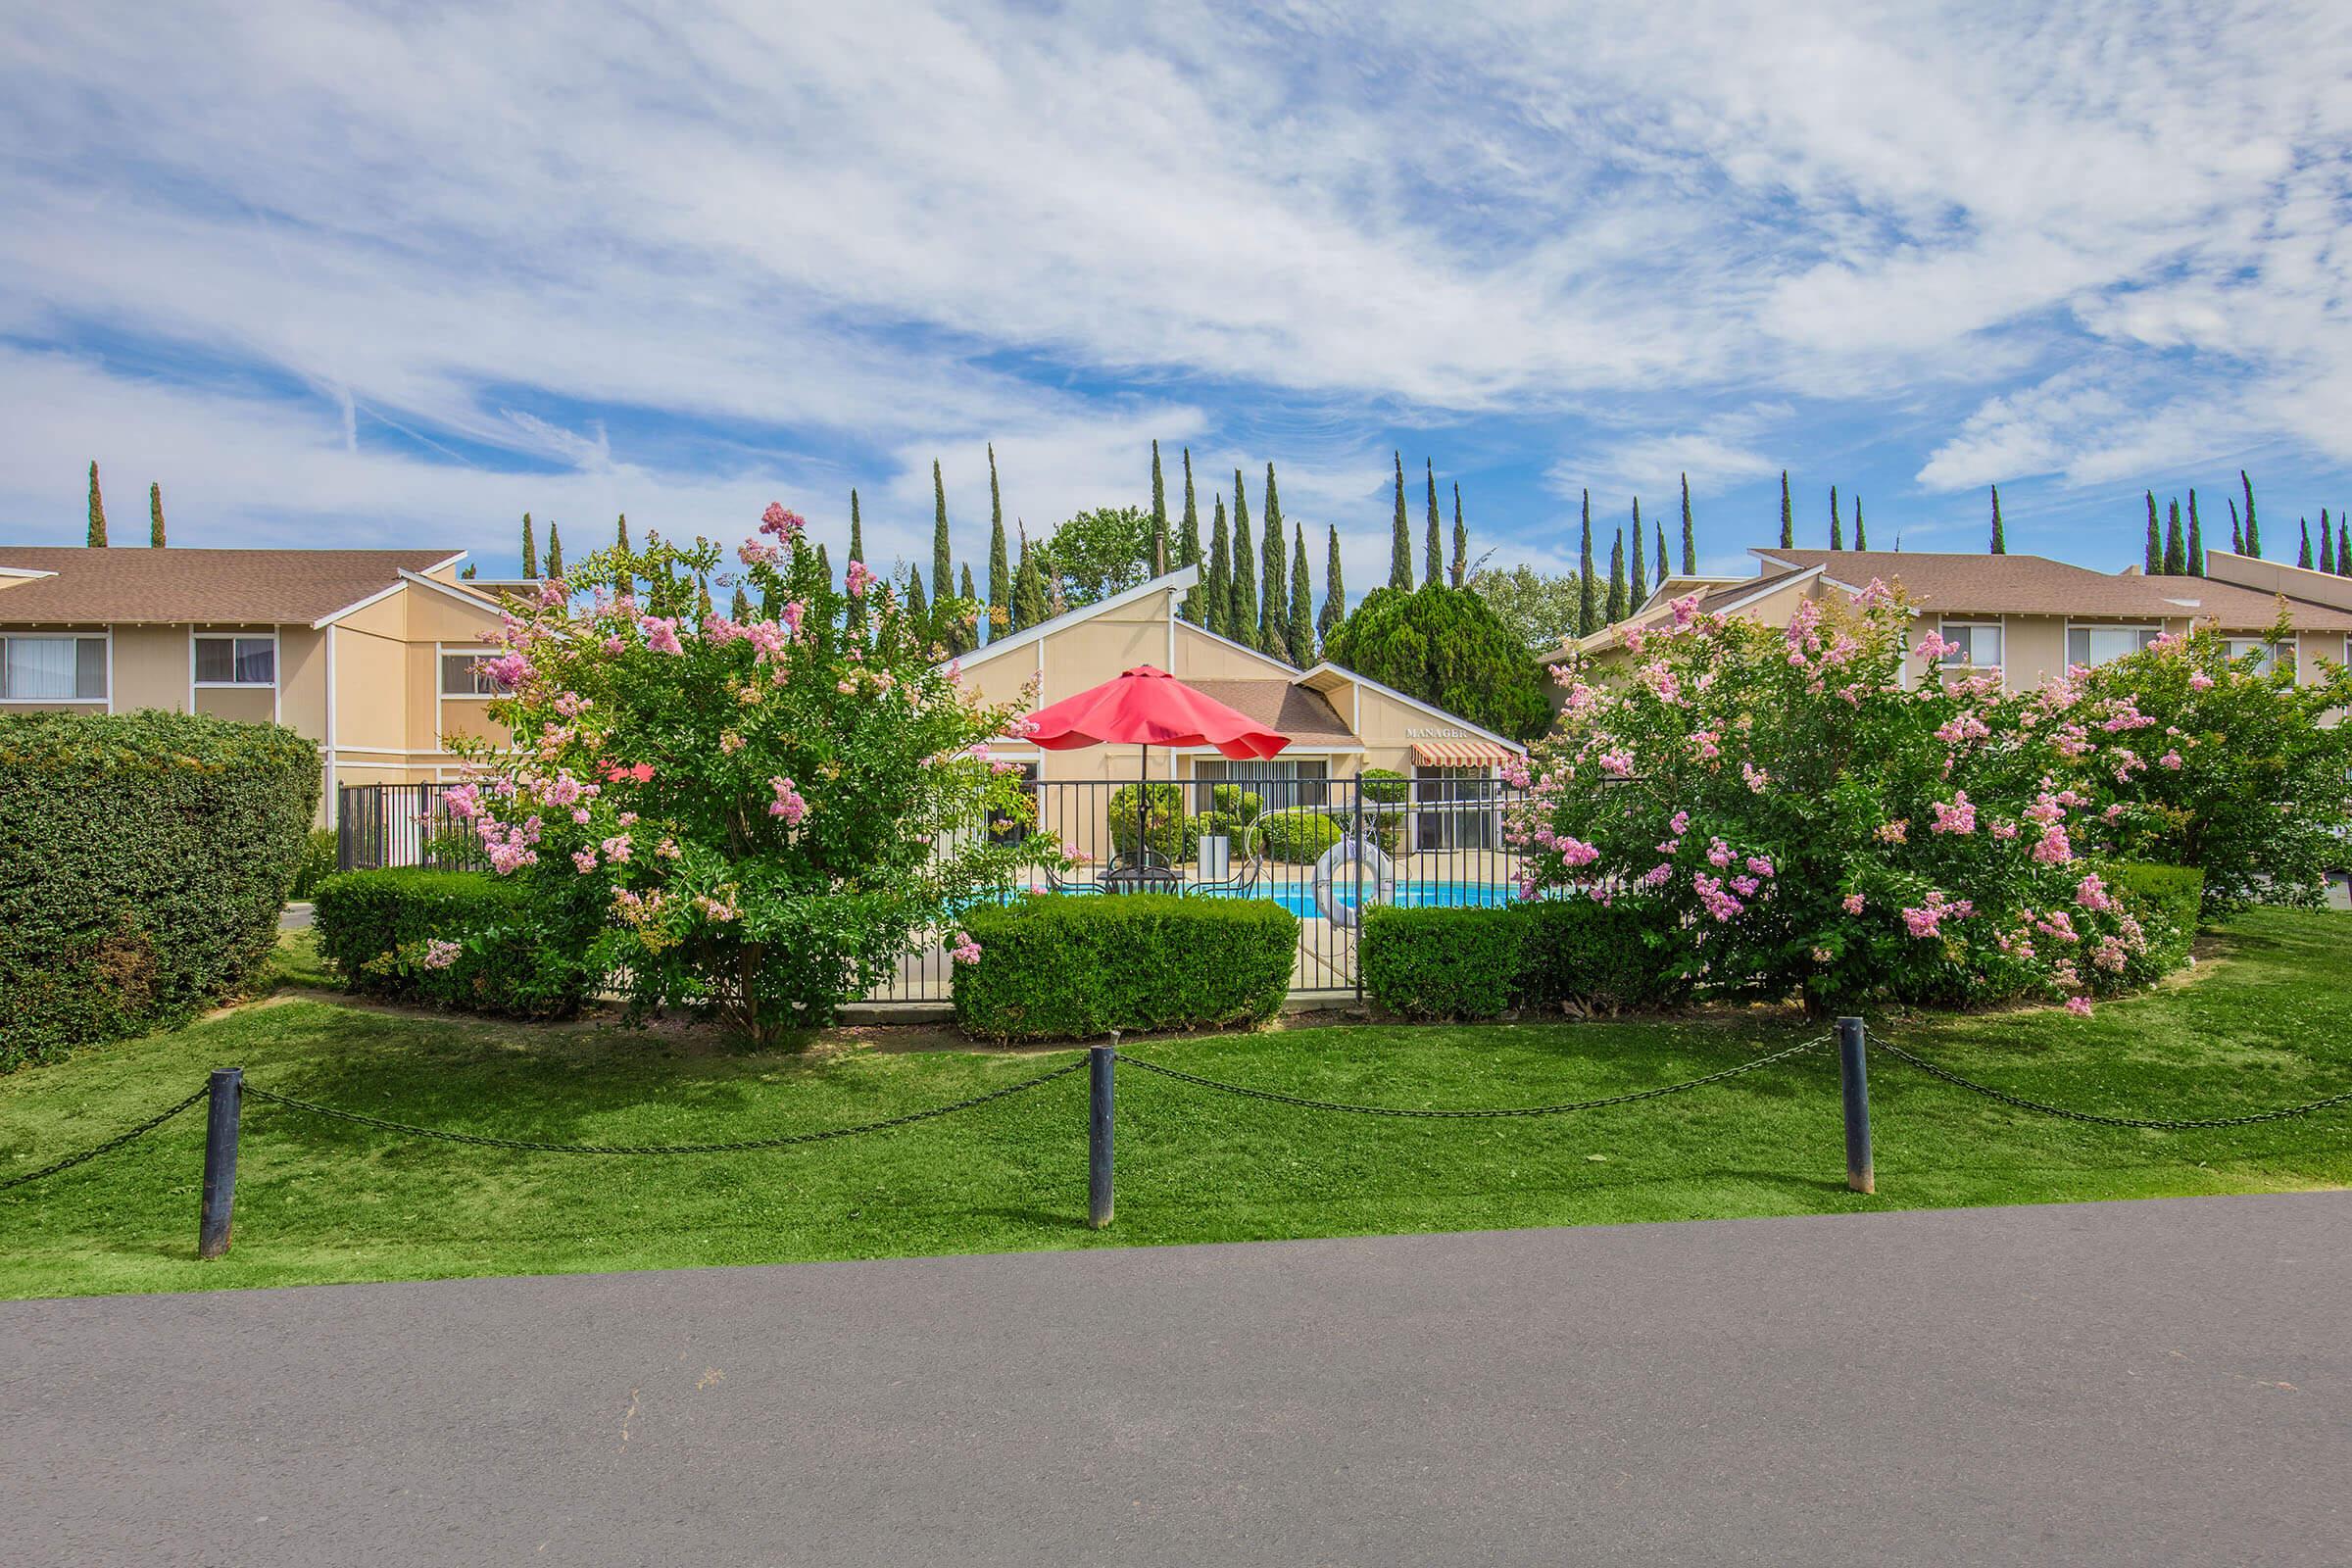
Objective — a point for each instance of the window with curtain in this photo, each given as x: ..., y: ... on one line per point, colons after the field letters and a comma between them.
x: 53, y: 669
x: 468, y: 675
x: 237, y: 660
x: 1979, y: 642
x: 2273, y: 654
x: 2096, y: 645
x: 1279, y: 784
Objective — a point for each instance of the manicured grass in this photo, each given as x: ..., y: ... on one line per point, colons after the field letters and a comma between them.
x: 2260, y: 1023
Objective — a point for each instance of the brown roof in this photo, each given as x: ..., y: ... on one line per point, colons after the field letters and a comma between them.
x: 248, y: 587
x: 1962, y: 584
x: 1306, y: 717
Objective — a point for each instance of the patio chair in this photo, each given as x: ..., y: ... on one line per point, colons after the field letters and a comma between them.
x: 1240, y: 883
x: 1144, y: 871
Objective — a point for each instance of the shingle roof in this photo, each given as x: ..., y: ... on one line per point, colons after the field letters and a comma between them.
x: 247, y: 587
x: 1960, y: 584
x: 1305, y: 716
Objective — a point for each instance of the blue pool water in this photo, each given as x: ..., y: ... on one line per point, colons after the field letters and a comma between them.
x: 1299, y: 898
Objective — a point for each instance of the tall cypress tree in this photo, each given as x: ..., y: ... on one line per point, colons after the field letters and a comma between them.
x: 1335, y: 594
x: 1190, y: 544
x: 1658, y: 561
x: 1861, y: 534
x: 2000, y: 534
x: 2343, y: 545
x: 1159, y: 515
x: 1617, y: 597
x: 1217, y: 601
x: 2253, y: 529
x: 620, y: 533
x: 1434, y: 550
x: 2196, y: 539
x: 2303, y: 556
x: 1028, y: 589
x: 97, y: 539
x: 554, y: 551
x: 2327, y: 544
x: 2176, y: 548
x: 943, y: 562
x: 1588, y: 587
x: 1459, y: 569
x: 857, y: 619
x: 2155, y: 565
x: 1303, y: 602
x: 1836, y: 528
x: 1689, y: 539
x: 1273, y: 620
x: 1000, y: 565
x: 1245, y: 611
x: 918, y: 603
x: 2237, y: 534
x: 530, y: 549
x: 1787, y: 517
x: 1401, y: 541
x: 1640, y: 574
x: 967, y: 633
x: 155, y: 517
x: 741, y: 609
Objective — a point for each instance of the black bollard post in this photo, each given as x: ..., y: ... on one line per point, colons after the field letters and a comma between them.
x: 222, y: 1114
x: 1853, y: 1082
x: 1098, y: 1131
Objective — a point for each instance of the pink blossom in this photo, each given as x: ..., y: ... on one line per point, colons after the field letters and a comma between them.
x: 782, y: 524
x: 1719, y: 904
x: 2199, y: 681
x: 858, y: 580
x: 2053, y: 848
x: 788, y: 804
x: 1577, y: 853
x: 1686, y: 610
x: 1853, y: 904
x: 1756, y: 778
x: 1719, y: 854
x: 1704, y: 742
x: 1681, y: 823
x: 2091, y: 893
x: 440, y: 955
x: 2170, y: 759
x: 508, y: 671
x: 1617, y: 763
x: 662, y: 634
x: 585, y: 859
x: 1958, y: 817
x: 1933, y: 647
x: 2004, y: 830
x: 1895, y: 832
x: 1760, y: 866
x: 616, y: 849
x: 2080, y: 1006
x: 615, y: 645
x: 965, y: 950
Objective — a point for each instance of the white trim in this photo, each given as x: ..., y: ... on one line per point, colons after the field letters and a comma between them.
x: 233, y: 637
x: 1323, y: 666
x: 68, y: 634
x: 1357, y: 750
x: 1181, y: 577
x: 2066, y: 645
x: 478, y: 651
x: 402, y: 578
x: 333, y: 808
x: 1600, y: 639
x: 354, y: 608
x: 466, y: 596
x: 1999, y: 623
x: 26, y: 572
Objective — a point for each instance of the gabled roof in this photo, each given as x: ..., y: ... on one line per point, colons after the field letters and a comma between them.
x: 133, y: 584
x: 1285, y: 708
x: 1977, y: 584
x: 1321, y: 677
x: 1181, y: 578
x: 1733, y: 596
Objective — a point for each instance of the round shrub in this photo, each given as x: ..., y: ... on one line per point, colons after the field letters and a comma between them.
x: 1385, y: 785
x: 1240, y: 832
x: 1166, y: 826
x: 1298, y: 837
x: 1235, y: 802
x: 144, y: 859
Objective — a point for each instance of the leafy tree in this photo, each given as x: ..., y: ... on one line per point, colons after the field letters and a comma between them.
x: 2155, y: 564
x: 1542, y: 611
x: 1099, y: 553
x: 1444, y: 646
x: 1460, y: 567
x: 1433, y: 551
x: 97, y: 539
x: 530, y: 549
x: 1219, y: 605
x: 2253, y: 529
x: 943, y: 562
x: 1302, y: 628
x: 1836, y: 528
x: 1787, y: 517
x: 1689, y: 540
x: 1334, y: 592
x: 554, y: 551
x: 1159, y: 515
x: 1273, y: 620
x: 1618, y: 605
x: 2176, y: 549
x: 1191, y: 540
x: 1401, y: 541
x: 1245, y: 569
x: 2000, y: 535
x: 1638, y: 589
x: 1587, y: 584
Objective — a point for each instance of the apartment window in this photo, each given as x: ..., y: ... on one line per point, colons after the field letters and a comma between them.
x: 1979, y: 642
x: 53, y: 669
x: 2273, y: 655
x: 2096, y: 645
x: 1278, y: 785
x: 237, y: 660
x: 468, y: 675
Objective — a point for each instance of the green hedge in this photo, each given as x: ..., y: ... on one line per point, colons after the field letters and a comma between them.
x: 375, y: 928
x: 1075, y: 968
x: 1298, y: 836
x: 1169, y: 831
x: 2167, y: 899
x: 1563, y: 955
x: 144, y: 859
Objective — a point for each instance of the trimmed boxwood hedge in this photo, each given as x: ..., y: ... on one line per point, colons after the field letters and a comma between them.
x: 1563, y: 955
x: 373, y: 926
x: 144, y: 859
x: 1055, y: 968
x: 1300, y: 835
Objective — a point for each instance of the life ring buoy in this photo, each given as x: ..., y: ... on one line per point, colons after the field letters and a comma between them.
x: 1365, y: 854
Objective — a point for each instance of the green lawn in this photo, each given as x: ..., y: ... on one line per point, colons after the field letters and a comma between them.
x: 2261, y: 1022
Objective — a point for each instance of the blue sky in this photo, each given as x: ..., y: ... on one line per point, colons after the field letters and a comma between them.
x: 364, y: 275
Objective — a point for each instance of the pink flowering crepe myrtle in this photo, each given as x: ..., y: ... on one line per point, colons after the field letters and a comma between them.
x: 1812, y: 820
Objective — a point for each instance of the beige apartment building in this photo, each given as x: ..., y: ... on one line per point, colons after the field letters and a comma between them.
x: 2029, y: 617
x: 370, y: 653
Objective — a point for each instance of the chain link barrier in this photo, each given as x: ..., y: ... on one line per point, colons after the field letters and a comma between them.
x: 735, y: 1146
x: 129, y: 1135
x: 2158, y: 1123
x: 1280, y: 1099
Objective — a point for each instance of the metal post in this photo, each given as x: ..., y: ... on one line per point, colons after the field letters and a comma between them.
x: 1099, y: 1070
x: 1853, y: 1082
x: 1356, y: 811
x: 219, y: 1161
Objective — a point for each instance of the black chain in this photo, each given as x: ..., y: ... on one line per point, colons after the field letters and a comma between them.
x: 1504, y: 1111
x: 2172, y: 1124
x: 735, y: 1147
x: 111, y: 1145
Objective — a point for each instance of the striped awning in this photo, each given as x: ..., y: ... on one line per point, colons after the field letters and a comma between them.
x: 1461, y: 753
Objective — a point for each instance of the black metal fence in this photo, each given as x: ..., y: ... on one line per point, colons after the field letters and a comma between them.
x: 1326, y: 849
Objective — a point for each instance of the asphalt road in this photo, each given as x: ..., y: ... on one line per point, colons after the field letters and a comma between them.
x: 2126, y: 1383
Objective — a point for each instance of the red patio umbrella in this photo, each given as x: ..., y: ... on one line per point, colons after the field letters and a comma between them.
x: 1148, y: 707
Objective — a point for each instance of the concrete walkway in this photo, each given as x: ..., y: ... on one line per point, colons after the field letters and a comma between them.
x: 2128, y: 1382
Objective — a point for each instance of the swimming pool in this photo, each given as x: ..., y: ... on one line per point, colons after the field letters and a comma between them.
x: 1299, y: 897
